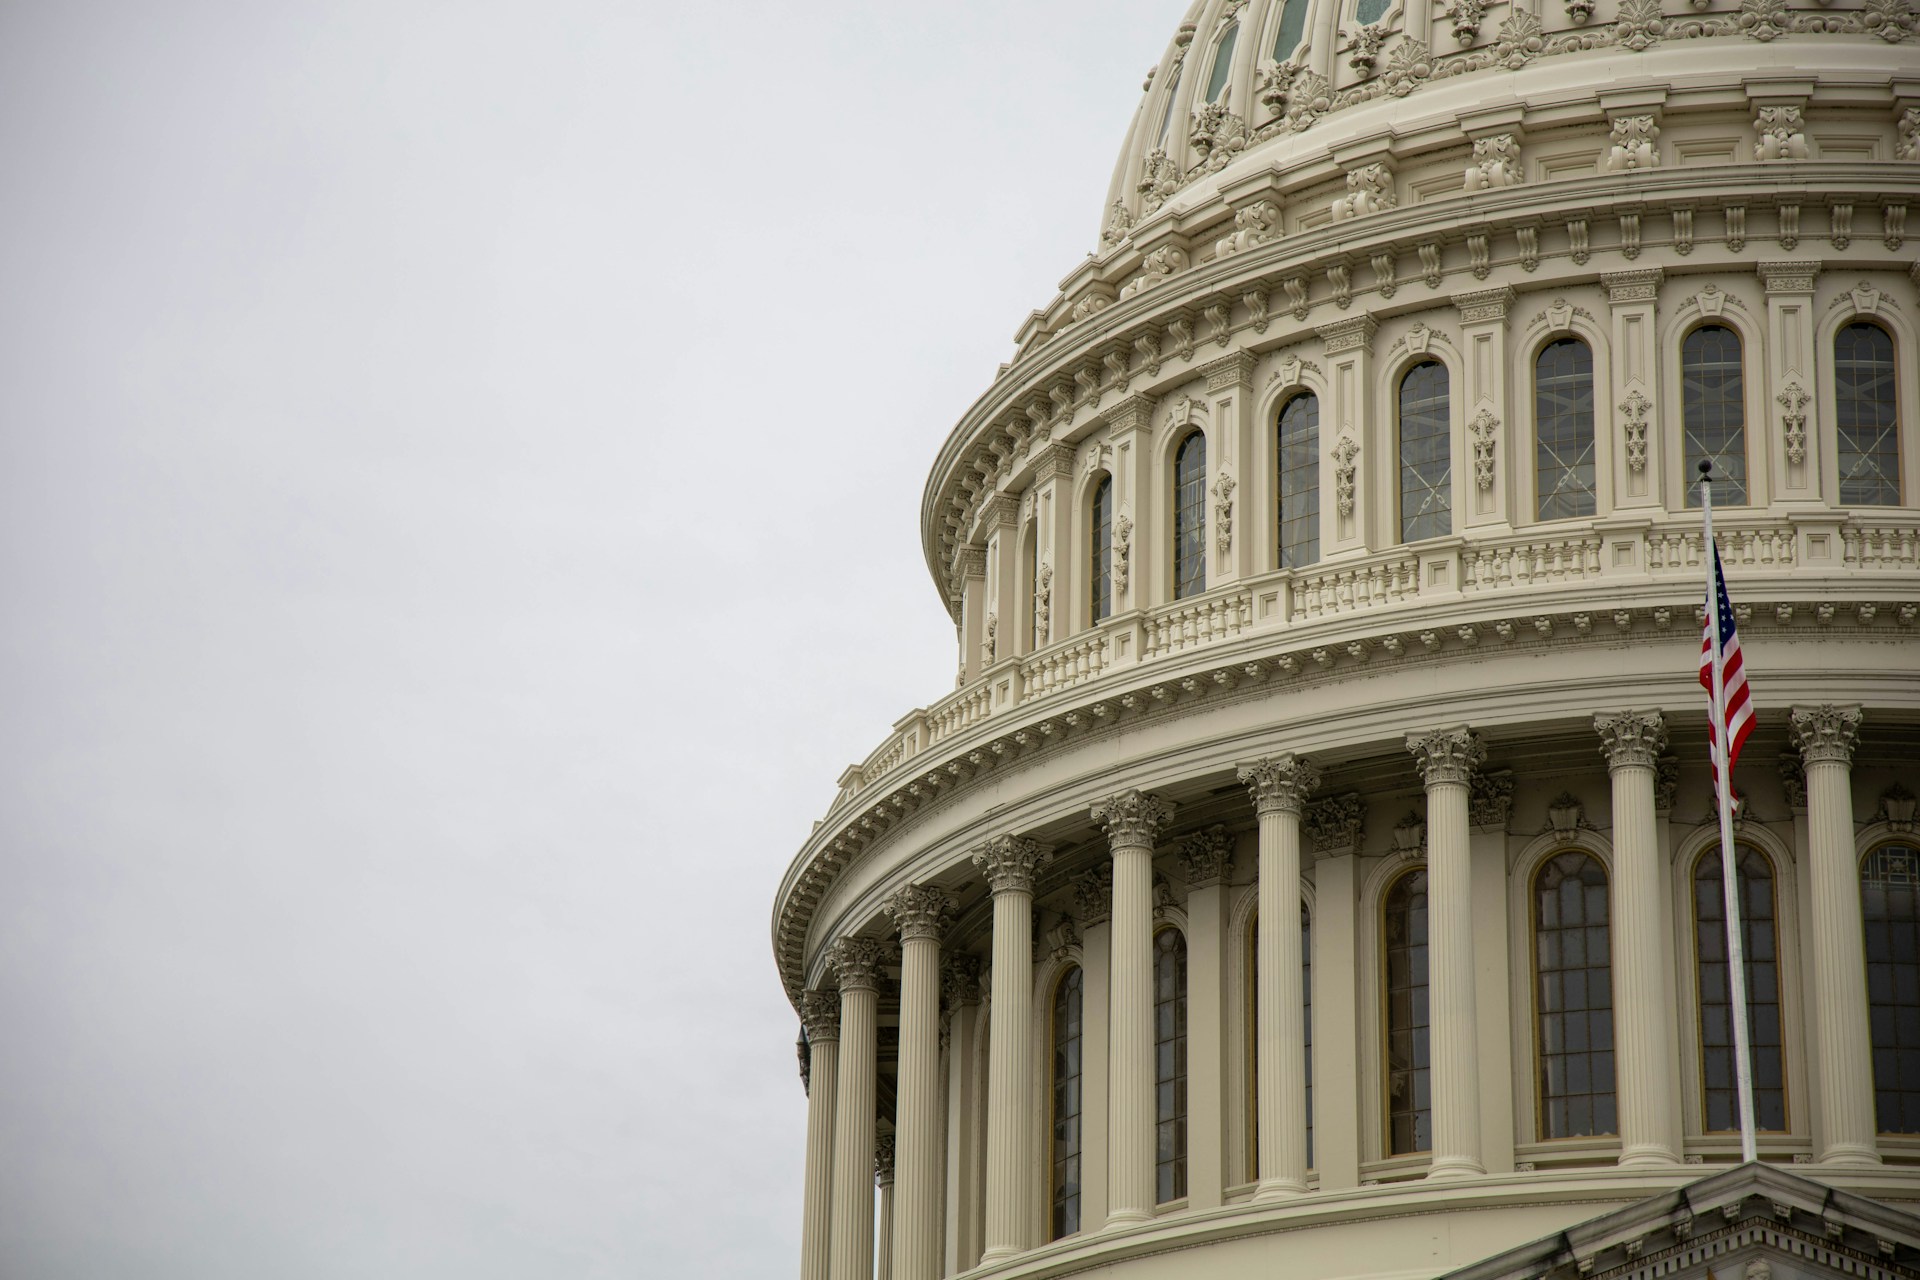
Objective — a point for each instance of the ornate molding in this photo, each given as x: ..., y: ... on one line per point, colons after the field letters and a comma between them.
x: 1234, y: 369
x: 1641, y: 285
x: 1223, y: 512
x: 1334, y: 825
x: 1280, y: 784
x: 1009, y: 862
x: 1446, y: 756
x: 1825, y: 734
x: 1369, y: 190
x: 1345, y: 451
x: 1631, y: 738
x: 919, y: 911
x: 1133, y: 817
x: 1897, y: 805
x: 1788, y: 277
x: 1253, y: 225
x: 1782, y: 134
x: 856, y: 963
x: 1206, y: 858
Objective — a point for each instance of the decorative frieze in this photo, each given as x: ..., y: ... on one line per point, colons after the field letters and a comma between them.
x: 1009, y: 863
x: 1157, y: 267
x: 1206, y: 858
x: 1625, y: 287
x: 1230, y: 371
x: 1496, y: 163
x: 1348, y: 335
x: 1484, y: 306
x: 1788, y: 277
x: 1334, y: 825
x: 1827, y: 733
x: 1280, y: 784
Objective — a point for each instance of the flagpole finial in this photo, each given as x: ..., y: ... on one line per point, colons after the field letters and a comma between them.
x: 1706, y: 467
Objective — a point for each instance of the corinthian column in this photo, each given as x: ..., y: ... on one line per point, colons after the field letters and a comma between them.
x: 1009, y: 863
x: 921, y: 913
x: 856, y: 962
x: 1280, y: 786
x: 820, y: 1011
x: 1132, y: 820
x: 1446, y: 759
x: 1647, y: 1066
x: 883, y: 1154
x: 1826, y: 737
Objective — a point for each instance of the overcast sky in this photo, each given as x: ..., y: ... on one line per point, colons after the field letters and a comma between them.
x: 460, y: 482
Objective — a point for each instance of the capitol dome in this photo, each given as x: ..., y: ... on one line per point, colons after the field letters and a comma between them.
x: 1328, y: 552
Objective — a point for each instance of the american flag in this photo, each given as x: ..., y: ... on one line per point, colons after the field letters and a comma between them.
x: 1739, y: 706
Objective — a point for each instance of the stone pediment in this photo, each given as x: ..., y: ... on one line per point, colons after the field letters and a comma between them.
x: 1754, y: 1222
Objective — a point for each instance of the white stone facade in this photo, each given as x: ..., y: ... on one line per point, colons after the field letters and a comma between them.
x: 1529, y: 263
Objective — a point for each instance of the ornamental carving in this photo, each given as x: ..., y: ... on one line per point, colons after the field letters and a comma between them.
x: 987, y: 645
x: 883, y: 1160
x: 1160, y: 177
x: 1639, y: 25
x: 1897, y: 805
x: 1908, y: 148
x: 1410, y: 835
x: 1280, y: 784
x: 1216, y: 135
x: 1369, y: 190
x: 1168, y: 260
x: 1490, y: 798
x: 1255, y: 224
x: 856, y: 963
x: 1223, y: 512
x: 1119, y: 223
x: 1333, y: 825
x: 1484, y: 429
x: 1466, y: 18
x: 1633, y: 424
x: 1793, y: 421
x: 1566, y: 815
x: 820, y: 1015
x: 919, y: 912
x: 1518, y: 39
x: 1632, y: 139
x: 1410, y: 63
x: 1063, y: 938
x: 960, y: 980
x: 1122, y: 550
x: 1496, y: 163
x: 1132, y: 818
x: 1207, y: 858
x: 1631, y: 738
x: 1666, y: 783
x: 1891, y: 20
x: 1782, y: 134
x: 1825, y: 734
x: 1092, y: 303
x: 1093, y: 894
x: 1344, y: 454
x: 1009, y: 862
x: 1363, y: 47
x: 1446, y: 756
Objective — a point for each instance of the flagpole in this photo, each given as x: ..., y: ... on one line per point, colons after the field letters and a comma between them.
x: 1729, y: 885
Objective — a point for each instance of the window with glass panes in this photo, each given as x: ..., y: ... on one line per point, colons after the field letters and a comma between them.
x: 1298, y: 448
x: 1760, y: 948
x: 1292, y: 25
x: 1713, y: 413
x: 1170, y: 1064
x: 1890, y: 910
x: 1426, y: 460
x: 1409, y: 1046
x: 1866, y: 415
x: 1066, y: 1045
x: 1100, y: 571
x: 1190, y: 517
x: 1222, y: 63
x: 1573, y: 997
x: 1563, y: 429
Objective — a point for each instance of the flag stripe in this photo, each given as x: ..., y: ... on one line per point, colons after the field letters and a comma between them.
x: 1738, y: 702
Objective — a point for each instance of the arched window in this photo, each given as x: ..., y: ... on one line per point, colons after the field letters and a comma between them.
x: 1298, y: 448
x: 1190, y: 517
x: 1100, y: 572
x: 1166, y: 116
x: 1170, y: 1065
x: 1066, y: 1103
x: 1222, y: 63
x: 1865, y: 412
x: 1713, y: 412
x: 1573, y: 996
x: 1293, y: 24
x: 1368, y: 12
x: 1426, y: 462
x: 1409, y: 1052
x: 1563, y: 429
x: 1036, y: 610
x: 1253, y: 1034
x: 1760, y: 946
x: 1890, y: 908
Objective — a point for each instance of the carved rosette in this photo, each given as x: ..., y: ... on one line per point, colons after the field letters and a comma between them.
x: 1009, y: 862
x: 1631, y: 738
x: 1793, y: 779
x: 1826, y: 734
x: 1132, y: 818
x: 856, y: 963
x: 1490, y: 798
x: 1446, y: 756
x: 1093, y: 895
x: 883, y: 1160
x: 820, y: 1015
x: 1280, y: 784
x: 1207, y: 858
x: 1334, y: 824
x: 960, y: 981
x: 919, y: 911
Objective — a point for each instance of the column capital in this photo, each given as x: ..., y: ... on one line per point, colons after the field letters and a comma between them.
x: 1334, y: 824
x: 1626, y: 287
x: 1093, y: 895
x: 883, y: 1160
x: 1207, y: 858
x: 820, y: 1015
x: 1010, y: 861
x: 960, y: 980
x: 1446, y: 755
x: 1788, y: 277
x: 1482, y: 306
x: 1631, y: 738
x: 1133, y: 817
x: 856, y: 963
x: 1280, y: 784
x: 1826, y: 734
x: 919, y: 911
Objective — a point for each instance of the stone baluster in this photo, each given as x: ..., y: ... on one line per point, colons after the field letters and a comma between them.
x: 820, y: 1011
x: 1826, y: 737
x: 920, y: 913
x: 1132, y: 821
x: 856, y: 963
x: 1009, y: 863
x: 1280, y: 786
x: 1446, y: 759
x: 1648, y: 1063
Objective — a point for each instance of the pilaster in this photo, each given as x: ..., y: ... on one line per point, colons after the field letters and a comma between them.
x: 1206, y: 858
x: 1791, y: 389
x: 1485, y: 492
x: 1348, y: 437
x: 1135, y: 524
x: 1231, y: 484
x: 1631, y: 429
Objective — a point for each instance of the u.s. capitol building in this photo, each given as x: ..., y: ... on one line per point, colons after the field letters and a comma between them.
x: 1314, y: 871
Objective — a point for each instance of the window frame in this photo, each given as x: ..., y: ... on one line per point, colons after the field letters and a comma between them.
x: 1685, y: 472
x: 1538, y: 1057
x: 1099, y: 550
x: 1182, y: 1113
x: 1710, y: 853
x: 1595, y: 437
x: 1175, y: 512
x: 1447, y: 483
x: 1885, y: 839
x: 1384, y: 994
x: 1294, y: 396
x: 1057, y: 987
x: 1894, y: 379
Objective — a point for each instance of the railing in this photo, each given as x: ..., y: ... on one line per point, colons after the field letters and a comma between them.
x: 1881, y: 546
x: 1386, y: 581
x: 957, y: 711
x: 1192, y: 623
x: 1064, y: 666
x: 1523, y: 564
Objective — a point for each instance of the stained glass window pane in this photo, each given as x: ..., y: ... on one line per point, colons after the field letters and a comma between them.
x: 1190, y: 517
x: 1563, y: 429
x: 1170, y: 1064
x: 1721, y: 1100
x: 1066, y: 1104
x: 1426, y: 464
x: 1713, y: 412
x: 1101, y: 570
x: 1222, y: 63
x: 1890, y: 909
x: 1299, y: 451
x: 1864, y: 412
x: 1573, y: 997
x: 1409, y: 1059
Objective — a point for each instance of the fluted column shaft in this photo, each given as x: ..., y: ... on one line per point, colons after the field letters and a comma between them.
x: 1826, y: 737
x: 857, y: 963
x: 1280, y: 786
x: 1132, y: 820
x: 1647, y: 1067
x: 1009, y: 863
x: 883, y: 1165
x: 821, y: 1013
x: 1446, y: 759
x: 921, y: 913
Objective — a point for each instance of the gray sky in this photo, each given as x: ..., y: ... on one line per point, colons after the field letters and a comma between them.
x: 461, y: 464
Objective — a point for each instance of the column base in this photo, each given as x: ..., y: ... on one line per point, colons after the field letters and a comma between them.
x: 1120, y: 1219
x: 1455, y: 1167
x: 1649, y: 1158
x: 1279, y: 1189
x: 998, y: 1253
x: 1850, y: 1154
